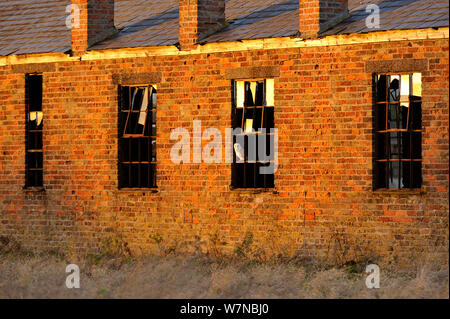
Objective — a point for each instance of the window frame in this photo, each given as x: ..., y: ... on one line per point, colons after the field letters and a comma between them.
x: 382, y: 183
x: 266, y: 185
x: 38, y: 181
x: 122, y: 136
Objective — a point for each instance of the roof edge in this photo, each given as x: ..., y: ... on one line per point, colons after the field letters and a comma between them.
x: 243, y: 45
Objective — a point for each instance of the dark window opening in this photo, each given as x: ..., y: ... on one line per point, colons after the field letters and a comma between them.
x: 398, y: 131
x: 137, y: 136
x: 253, y: 113
x: 34, y: 119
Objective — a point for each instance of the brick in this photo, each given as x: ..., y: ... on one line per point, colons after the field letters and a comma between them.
x: 323, y: 110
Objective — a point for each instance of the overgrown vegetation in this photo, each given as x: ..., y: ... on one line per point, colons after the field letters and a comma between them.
x: 115, y: 273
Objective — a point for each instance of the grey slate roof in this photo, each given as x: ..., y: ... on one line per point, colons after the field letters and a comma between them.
x: 38, y: 26
x: 258, y: 19
x: 33, y: 26
x: 396, y: 15
x: 144, y: 23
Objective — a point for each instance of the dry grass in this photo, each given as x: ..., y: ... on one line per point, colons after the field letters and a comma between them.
x: 43, y: 276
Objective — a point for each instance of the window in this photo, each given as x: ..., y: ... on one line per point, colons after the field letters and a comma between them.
x: 33, y: 131
x: 253, y: 117
x: 137, y: 136
x: 398, y: 131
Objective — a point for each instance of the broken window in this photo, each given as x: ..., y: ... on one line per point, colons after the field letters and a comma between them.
x: 398, y: 131
x: 137, y: 136
x: 253, y: 114
x: 33, y: 136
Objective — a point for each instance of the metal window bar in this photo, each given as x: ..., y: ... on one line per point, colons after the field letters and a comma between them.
x: 33, y: 103
x: 242, y: 128
x: 256, y: 181
x: 137, y: 161
x: 408, y: 130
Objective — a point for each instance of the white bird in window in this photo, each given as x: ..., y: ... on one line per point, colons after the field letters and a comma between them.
x: 239, y: 151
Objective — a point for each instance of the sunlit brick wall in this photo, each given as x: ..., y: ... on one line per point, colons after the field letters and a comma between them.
x: 323, y: 197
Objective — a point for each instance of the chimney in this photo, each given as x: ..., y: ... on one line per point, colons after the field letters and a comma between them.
x: 92, y: 21
x: 319, y: 15
x: 199, y: 18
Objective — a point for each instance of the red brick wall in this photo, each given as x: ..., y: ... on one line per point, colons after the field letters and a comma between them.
x: 323, y: 204
x: 96, y: 21
x: 313, y: 13
x: 197, y: 17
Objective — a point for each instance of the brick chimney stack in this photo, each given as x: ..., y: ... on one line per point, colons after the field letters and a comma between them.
x: 199, y: 18
x: 96, y: 22
x: 319, y: 15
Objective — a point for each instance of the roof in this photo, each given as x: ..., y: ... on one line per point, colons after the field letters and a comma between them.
x: 38, y: 26
x: 396, y: 15
x: 33, y: 26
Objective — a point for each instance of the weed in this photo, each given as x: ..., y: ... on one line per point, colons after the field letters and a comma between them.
x: 43, y: 276
x: 244, y: 248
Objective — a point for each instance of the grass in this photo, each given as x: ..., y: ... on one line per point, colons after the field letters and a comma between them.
x: 32, y: 275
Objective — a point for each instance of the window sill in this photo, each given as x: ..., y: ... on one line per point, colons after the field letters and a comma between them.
x: 253, y: 190
x: 386, y: 191
x: 138, y: 190
x: 34, y: 189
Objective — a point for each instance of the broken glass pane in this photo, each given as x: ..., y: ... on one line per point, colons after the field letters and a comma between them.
x: 240, y: 93
x: 34, y: 137
x: 402, y: 148
x: 248, y: 95
x: 35, y: 120
x: 144, y: 106
x: 153, y: 97
x: 404, y: 87
x: 136, y: 101
x: 394, y: 88
x: 131, y: 125
x: 259, y: 94
x: 253, y: 93
x: 258, y: 118
x: 250, y: 113
x: 270, y: 100
x: 136, y: 149
x: 137, y: 114
x: 417, y: 84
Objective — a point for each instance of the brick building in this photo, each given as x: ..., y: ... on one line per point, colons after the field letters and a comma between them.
x: 360, y: 102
